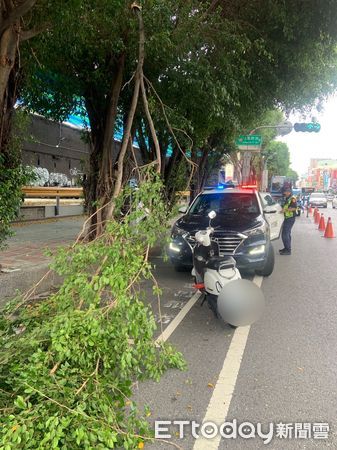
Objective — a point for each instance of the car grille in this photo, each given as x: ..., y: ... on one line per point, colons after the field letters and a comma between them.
x: 228, y: 243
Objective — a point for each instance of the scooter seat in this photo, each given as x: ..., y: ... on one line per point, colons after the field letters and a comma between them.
x: 225, y: 262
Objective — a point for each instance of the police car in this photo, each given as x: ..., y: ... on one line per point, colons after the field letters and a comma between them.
x: 246, y: 223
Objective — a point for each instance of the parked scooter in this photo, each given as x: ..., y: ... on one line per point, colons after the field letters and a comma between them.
x: 236, y: 301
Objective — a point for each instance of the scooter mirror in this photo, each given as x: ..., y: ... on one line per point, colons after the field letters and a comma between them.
x: 212, y: 214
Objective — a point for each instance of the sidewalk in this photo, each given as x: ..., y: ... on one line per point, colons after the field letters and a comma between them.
x: 23, y: 261
x: 26, y: 247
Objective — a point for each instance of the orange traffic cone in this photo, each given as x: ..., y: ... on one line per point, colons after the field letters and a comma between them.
x: 321, y: 225
x: 310, y: 210
x: 329, y: 233
x: 317, y: 218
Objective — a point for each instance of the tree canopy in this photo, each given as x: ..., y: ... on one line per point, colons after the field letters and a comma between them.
x: 213, y: 69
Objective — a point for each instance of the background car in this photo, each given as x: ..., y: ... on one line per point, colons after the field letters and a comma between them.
x: 334, y: 202
x: 245, y: 224
x: 318, y: 199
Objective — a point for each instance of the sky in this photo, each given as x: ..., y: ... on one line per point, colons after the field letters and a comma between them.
x: 304, y: 146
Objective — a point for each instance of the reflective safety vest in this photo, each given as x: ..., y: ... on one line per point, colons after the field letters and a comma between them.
x: 289, y: 214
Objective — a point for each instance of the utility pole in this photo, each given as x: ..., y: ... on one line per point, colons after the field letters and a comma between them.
x: 264, y: 177
x: 247, y: 156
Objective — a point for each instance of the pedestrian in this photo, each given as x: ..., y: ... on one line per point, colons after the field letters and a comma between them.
x: 289, y: 210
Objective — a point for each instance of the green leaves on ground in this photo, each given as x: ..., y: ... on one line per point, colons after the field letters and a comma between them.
x: 68, y: 364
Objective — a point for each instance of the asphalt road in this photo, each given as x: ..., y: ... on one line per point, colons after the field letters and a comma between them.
x: 282, y: 370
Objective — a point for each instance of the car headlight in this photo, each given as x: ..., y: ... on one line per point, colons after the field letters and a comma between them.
x: 174, y: 247
x: 259, y: 250
x: 257, y: 230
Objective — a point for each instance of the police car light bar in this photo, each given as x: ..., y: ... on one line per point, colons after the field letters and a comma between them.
x: 220, y: 186
x: 249, y: 186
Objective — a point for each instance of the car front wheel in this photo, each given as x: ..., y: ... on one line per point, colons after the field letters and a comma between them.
x: 269, y: 265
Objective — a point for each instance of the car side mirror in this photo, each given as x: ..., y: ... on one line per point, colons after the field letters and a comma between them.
x: 183, y: 209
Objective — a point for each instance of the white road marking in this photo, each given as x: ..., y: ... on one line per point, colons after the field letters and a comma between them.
x: 178, y: 318
x: 219, y: 404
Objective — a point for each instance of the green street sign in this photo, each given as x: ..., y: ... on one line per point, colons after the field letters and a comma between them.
x: 253, y: 140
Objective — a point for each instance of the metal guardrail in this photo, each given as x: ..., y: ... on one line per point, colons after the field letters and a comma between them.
x: 52, y: 192
x: 66, y: 192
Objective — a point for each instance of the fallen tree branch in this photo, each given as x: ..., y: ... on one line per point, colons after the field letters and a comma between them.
x: 101, y: 421
x: 94, y: 373
x: 54, y: 369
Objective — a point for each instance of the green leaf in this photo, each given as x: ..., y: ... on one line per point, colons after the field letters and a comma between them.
x: 20, y: 402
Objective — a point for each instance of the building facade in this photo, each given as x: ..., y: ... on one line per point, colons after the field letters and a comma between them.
x: 58, y: 152
x: 322, y: 174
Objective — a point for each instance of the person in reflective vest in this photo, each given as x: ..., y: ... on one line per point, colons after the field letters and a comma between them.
x: 289, y: 210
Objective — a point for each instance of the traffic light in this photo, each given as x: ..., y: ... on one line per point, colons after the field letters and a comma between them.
x: 311, y: 127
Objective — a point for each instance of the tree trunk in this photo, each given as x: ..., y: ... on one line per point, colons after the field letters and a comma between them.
x: 203, y: 174
x: 102, y: 116
x: 200, y: 175
x: 172, y: 163
x: 11, y: 14
x: 8, y: 88
x: 106, y: 182
x: 170, y: 174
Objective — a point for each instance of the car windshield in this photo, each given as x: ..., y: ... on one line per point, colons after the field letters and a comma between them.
x: 234, y: 204
x: 317, y: 195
